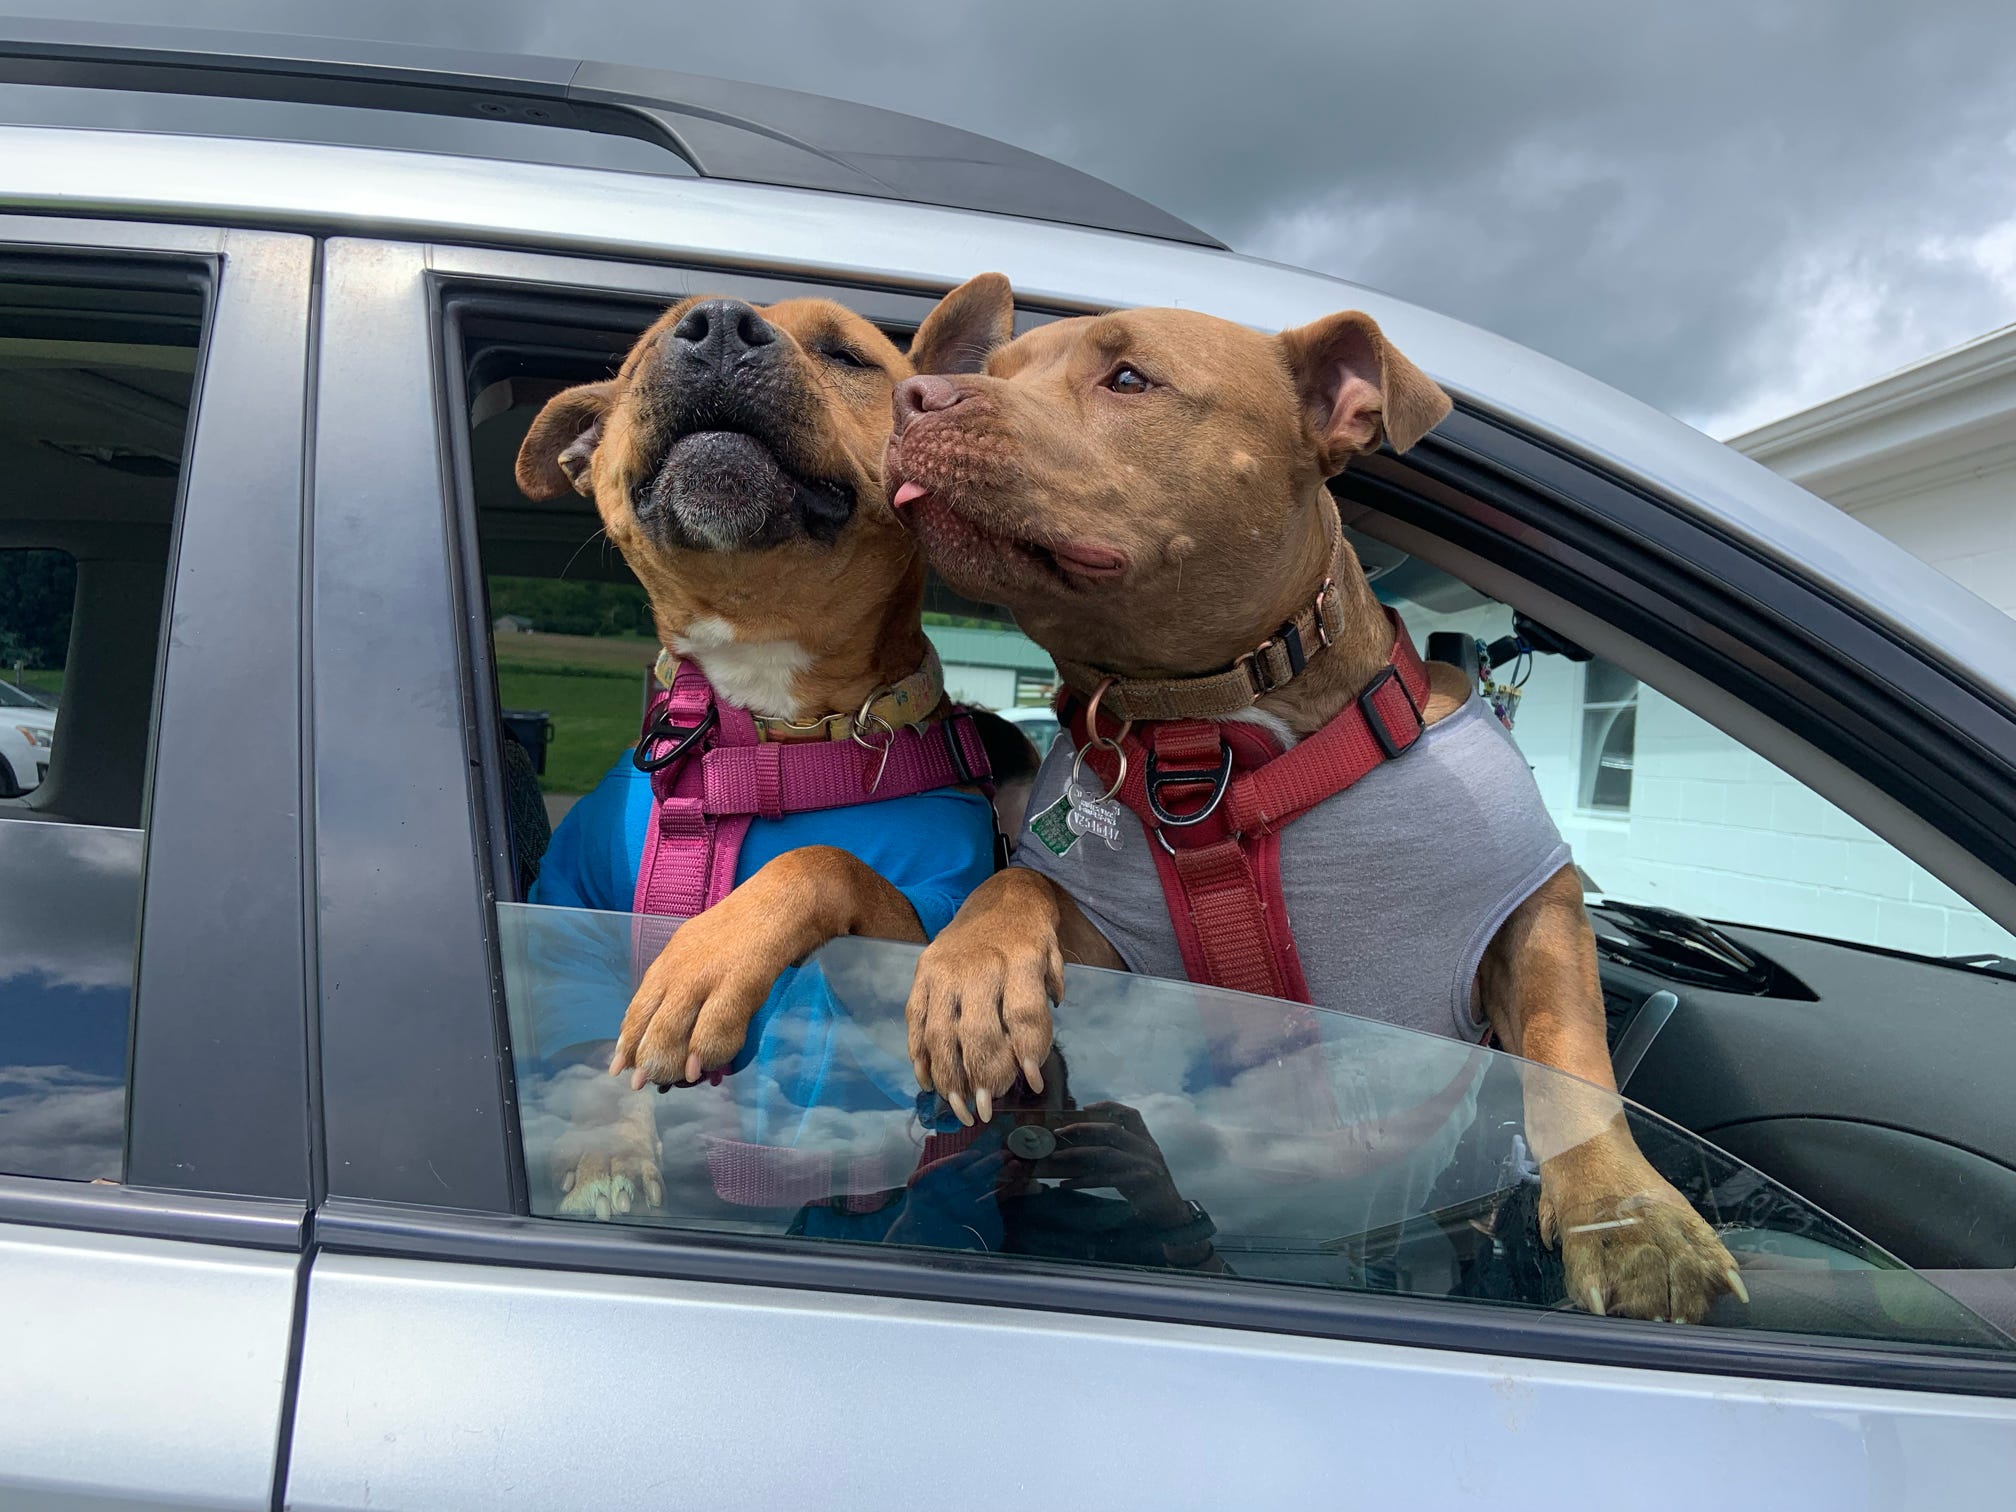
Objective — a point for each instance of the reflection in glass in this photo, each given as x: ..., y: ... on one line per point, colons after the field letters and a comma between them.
x: 66, y: 989
x: 1179, y: 1128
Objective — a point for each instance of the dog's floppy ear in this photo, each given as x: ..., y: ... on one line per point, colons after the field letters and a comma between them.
x: 1357, y: 388
x: 555, y: 455
x: 970, y: 322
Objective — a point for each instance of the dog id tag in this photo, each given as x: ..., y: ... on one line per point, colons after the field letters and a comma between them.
x: 1053, y: 826
x: 1093, y: 815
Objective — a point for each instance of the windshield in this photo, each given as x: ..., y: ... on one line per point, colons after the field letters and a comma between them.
x: 1308, y: 1147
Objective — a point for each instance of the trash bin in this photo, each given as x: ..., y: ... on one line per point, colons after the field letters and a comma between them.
x: 531, y: 728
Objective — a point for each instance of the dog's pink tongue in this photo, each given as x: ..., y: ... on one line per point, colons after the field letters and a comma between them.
x: 908, y: 493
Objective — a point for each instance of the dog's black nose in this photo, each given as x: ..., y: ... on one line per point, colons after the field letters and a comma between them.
x: 722, y: 330
x: 923, y: 394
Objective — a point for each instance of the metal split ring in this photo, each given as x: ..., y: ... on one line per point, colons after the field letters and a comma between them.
x: 866, y: 719
x: 1078, y: 763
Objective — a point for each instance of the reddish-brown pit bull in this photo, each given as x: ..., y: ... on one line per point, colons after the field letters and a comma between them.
x: 1146, y: 491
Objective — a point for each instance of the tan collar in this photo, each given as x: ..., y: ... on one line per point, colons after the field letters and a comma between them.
x: 1272, y: 664
x: 912, y: 701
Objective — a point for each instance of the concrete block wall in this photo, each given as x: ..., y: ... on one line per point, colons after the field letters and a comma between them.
x: 1716, y: 831
x: 1965, y: 528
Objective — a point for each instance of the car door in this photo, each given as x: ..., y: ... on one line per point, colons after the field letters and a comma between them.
x: 154, y: 1149
x: 467, y: 1344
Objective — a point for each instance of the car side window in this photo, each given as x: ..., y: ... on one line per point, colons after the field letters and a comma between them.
x: 1179, y: 1129
x: 96, y: 388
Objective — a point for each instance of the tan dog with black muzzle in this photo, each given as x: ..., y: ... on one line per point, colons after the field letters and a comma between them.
x: 1146, y: 491
x: 736, y: 461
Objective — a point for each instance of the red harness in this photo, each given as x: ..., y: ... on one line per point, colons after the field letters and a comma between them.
x: 1213, y: 797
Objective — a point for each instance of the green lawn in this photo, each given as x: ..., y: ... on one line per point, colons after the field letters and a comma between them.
x: 591, y: 689
x: 47, y: 680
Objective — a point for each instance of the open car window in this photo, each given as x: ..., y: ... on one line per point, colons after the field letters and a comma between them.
x: 1180, y: 1128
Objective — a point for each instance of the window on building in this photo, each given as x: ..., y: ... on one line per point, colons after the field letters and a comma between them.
x: 1609, y: 735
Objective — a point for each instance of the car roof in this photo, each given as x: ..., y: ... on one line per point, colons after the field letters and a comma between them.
x: 719, y: 128
x: 1055, y: 268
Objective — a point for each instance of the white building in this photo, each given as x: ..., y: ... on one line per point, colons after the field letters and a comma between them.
x: 992, y: 668
x: 1662, y: 807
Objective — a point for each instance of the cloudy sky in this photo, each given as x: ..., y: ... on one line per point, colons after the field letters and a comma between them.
x: 1729, y: 210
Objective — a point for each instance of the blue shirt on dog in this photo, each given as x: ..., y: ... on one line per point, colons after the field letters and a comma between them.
x: 933, y: 847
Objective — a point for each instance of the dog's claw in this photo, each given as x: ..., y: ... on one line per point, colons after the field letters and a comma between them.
x: 923, y: 1075
x: 983, y: 1104
x: 1033, y: 1074
x: 1596, y: 1300
x: 959, y: 1108
x: 695, y: 1068
x: 1736, y: 1285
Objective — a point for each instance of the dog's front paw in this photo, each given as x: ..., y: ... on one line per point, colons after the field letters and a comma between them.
x: 606, y: 1164
x: 979, y: 1014
x: 692, y: 1010
x: 1634, y: 1246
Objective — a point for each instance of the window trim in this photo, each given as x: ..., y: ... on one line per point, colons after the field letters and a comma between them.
x: 269, y: 1223
x: 225, y: 1020
x: 560, y: 1245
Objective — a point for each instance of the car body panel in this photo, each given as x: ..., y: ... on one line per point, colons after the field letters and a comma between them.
x: 440, y: 1386
x: 141, y: 1372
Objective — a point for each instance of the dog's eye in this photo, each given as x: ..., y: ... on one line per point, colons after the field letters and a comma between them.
x: 844, y: 356
x: 1125, y: 380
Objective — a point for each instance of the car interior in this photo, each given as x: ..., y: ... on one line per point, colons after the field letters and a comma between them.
x: 1871, y: 1081
x: 95, y: 394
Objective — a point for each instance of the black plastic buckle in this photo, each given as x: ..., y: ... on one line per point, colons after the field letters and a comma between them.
x: 1158, y: 780
x: 947, y: 727
x: 1291, y: 641
x: 663, y: 729
x: 1376, y: 722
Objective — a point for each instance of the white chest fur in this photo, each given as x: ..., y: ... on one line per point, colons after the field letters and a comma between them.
x: 755, y: 675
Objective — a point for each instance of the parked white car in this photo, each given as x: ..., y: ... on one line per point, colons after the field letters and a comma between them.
x: 1038, y: 723
x: 27, y: 734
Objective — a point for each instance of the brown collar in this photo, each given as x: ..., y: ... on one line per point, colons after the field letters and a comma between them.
x: 1271, y: 665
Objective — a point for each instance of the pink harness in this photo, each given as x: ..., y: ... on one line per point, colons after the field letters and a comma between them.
x: 701, y: 808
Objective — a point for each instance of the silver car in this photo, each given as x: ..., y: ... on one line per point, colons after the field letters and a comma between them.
x: 282, y: 1224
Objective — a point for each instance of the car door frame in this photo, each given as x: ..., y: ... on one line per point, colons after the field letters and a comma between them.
x: 387, y: 430
x: 206, y: 1233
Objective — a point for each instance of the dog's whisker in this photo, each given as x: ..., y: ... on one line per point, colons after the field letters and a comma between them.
x: 600, y: 534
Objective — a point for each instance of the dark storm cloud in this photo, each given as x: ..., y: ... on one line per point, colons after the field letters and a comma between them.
x: 1728, y: 210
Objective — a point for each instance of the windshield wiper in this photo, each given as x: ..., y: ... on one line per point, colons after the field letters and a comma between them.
x: 1682, y: 948
x: 1987, y: 965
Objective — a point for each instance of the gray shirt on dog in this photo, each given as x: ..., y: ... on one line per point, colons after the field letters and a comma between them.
x: 1394, y: 886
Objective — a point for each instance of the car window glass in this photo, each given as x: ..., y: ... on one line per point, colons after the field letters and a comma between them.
x: 1274, y: 1142
x: 96, y: 386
